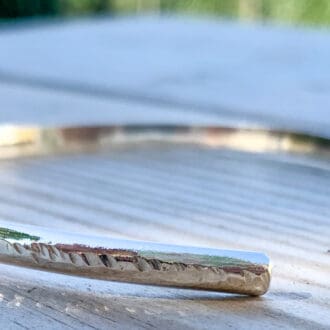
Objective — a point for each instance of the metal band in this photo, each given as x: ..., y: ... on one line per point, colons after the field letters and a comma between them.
x: 132, y: 261
x: 18, y: 141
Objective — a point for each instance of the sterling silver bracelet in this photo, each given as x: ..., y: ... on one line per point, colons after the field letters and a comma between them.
x: 106, y: 258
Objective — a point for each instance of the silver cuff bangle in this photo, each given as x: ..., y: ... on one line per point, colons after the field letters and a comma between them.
x: 106, y: 258
x: 134, y: 261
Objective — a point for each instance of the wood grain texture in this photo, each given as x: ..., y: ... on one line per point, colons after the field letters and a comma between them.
x: 278, y: 204
x: 189, y: 195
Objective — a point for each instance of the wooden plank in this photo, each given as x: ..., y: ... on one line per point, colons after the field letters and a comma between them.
x: 27, y: 105
x: 183, y: 195
x: 257, y: 74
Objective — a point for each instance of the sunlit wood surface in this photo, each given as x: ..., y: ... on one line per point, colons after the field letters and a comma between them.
x: 170, y: 71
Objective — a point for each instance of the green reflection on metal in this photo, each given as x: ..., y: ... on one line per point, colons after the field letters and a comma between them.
x: 191, y: 259
x: 6, y: 233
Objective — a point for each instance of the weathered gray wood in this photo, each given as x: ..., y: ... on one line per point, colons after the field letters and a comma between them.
x: 177, y: 195
x: 228, y: 74
x: 28, y: 105
x: 266, y: 75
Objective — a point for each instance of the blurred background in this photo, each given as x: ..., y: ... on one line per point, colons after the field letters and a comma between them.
x: 313, y: 12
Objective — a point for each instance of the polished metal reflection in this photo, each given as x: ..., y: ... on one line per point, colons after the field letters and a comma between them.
x: 18, y: 141
x: 104, y: 258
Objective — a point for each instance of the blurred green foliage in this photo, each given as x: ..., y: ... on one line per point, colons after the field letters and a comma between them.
x: 6, y: 233
x: 292, y: 11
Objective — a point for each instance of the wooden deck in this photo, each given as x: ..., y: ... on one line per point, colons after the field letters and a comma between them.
x: 180, y: 71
